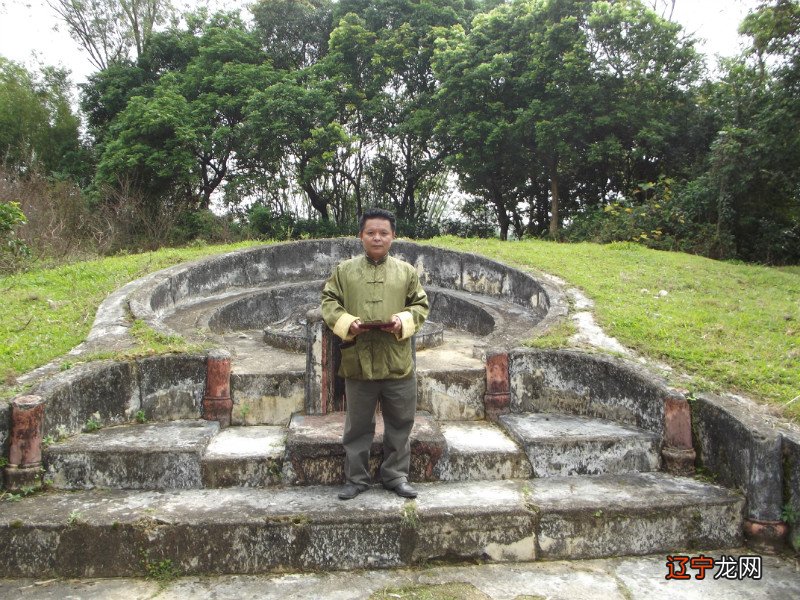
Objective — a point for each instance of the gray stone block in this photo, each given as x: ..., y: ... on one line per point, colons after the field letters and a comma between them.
x: 741, y: 450
x: 112, y: 533
x: 480, y: 451
x: 591, y: 385
x: 107, y: 389
x: 791, y: 483
x: 452, y: 395
x: 245, y: 457
x: 560, y: 445
x: 266, y: 399
x: 648, y: 513
x: 156, y: 456
x: 172, y: 386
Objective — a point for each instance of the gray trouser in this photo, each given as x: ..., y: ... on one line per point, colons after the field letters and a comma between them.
x: 398, y: 398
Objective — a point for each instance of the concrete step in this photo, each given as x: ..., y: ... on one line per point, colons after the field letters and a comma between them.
x: 107, y: 533
x: 245, y: 456
x: 314, y: 452
x: 559, y: 445
x: 478, y: 450
x: 150, y: 456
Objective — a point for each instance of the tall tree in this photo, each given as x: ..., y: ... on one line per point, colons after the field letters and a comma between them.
x: 110, y: 30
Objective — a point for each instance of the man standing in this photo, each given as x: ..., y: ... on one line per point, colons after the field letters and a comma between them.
x: 375, y: 303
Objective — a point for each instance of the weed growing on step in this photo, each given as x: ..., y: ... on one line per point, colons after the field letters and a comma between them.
x: 409, y: 515
x: 75, y: 517
x: 93, y: 424
x: 24, y: 492
x: 789, y: 514
x: 162, y: 572
x: 140, y: 417
x: 3, y: 462
x: 705, y: 475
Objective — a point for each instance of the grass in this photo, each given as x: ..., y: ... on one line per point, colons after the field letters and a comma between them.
x: 726, y: 326
x: 47, y: 312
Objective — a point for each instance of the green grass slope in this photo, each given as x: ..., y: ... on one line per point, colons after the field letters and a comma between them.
x: 721, y: 326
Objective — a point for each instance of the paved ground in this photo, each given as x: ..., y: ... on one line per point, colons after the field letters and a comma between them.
x: 611, y: 579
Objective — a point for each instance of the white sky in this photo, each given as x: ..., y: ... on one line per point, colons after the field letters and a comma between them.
x: 30, y: 32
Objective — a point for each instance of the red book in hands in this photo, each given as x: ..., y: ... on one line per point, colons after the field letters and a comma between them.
x: 377, y: 325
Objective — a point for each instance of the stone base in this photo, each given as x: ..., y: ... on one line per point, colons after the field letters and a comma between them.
x: 17, y: 478
x: 679, y: 461
x: 768, y: 537
x: 218, y: 409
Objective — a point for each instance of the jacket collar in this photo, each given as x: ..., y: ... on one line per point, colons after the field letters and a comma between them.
x: 376, y: 262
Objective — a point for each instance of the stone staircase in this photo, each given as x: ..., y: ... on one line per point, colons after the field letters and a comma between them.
x: 250, y: 499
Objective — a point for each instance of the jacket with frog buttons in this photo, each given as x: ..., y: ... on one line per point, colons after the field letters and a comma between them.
x: 361, y: 288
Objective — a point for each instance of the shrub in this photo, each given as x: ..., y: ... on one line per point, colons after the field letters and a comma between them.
x: 13, y: 249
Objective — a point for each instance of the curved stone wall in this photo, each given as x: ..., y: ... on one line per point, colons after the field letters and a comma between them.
x: 314, y: 260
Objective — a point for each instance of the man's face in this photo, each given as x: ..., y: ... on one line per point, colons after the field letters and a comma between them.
x: 377, y: 237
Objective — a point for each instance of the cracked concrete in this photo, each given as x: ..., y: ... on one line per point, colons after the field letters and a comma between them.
x: 636, y: 578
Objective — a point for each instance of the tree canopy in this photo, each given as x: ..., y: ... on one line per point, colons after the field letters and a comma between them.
x: 569, y: 119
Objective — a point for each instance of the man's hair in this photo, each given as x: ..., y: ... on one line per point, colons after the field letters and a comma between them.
x: 377, y: 213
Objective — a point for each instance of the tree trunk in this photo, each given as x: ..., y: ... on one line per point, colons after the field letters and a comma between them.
x: 554, y: 198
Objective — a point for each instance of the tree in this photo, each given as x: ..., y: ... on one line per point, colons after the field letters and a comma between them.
x: 109, y: 29
x: 293, y: 33
x: 38, y: 130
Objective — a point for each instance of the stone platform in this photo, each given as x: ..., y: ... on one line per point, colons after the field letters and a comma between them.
x: 240, y: 530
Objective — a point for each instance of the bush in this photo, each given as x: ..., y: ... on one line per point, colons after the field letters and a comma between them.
x: 12, y: 249
x: 658, y: 219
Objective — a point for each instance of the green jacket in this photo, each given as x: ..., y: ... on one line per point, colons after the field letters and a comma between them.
x: 362, y: 289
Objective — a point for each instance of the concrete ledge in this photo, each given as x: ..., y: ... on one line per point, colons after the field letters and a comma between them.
x: 591, y: 385
x: 742, y: 450
x: 266, y: 399
x: 452, y: 395
x: 157, y: 456
x: 107, y: 533
x: 561, y: 445
x: 592, y: 517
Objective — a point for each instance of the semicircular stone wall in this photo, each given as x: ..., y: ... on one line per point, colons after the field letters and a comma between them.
x: 263, y: 284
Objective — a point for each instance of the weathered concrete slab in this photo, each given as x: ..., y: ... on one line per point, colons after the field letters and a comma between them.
x: 314, y: 452
x: 244, y: 456
x: 172, y: 387
x: 740, y: 450
x: 106, y: 389
x: 266, y: 398
x: 569, y: 382
x: 155, y: 456
x: 451, y: 394
x: 791, y: 483
x: 568, y: 445
x: 480, y: 450
x: 592, y: 517
x: 625, y: 578
x: 241, y: 530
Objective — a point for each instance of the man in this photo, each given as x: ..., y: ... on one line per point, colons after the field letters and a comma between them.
x: 375, y: 303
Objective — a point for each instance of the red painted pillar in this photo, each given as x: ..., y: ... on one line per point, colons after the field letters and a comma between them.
x: 24, y: 467
x: 678, y: 454
x: 217, y: 402
x: 497, y: 400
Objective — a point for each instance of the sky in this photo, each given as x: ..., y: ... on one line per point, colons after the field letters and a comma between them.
x: 30, y: 32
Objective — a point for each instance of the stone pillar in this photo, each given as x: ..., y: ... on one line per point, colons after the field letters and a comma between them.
x: 217, y: 402
x: 678, y: 453
x: 324, y: 388
x: 497, y: 400
x: 24, y: 467
x: 764, y: 531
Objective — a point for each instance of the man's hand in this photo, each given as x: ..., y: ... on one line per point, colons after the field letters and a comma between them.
x: 397, y: 325
x: 355, y: 328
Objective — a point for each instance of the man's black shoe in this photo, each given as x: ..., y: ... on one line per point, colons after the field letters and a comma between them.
x: 404, y: 490
x: 350, y: 491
